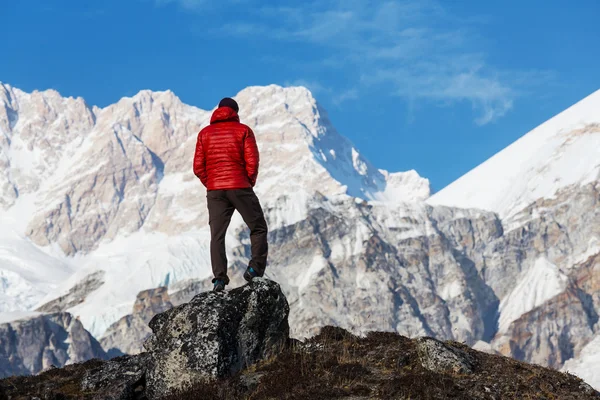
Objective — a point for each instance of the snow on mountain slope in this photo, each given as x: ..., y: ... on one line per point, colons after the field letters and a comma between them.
x: 586, y: 366
x: 303, y: 150
x: 27, y: 273
x: 131, y: 264
x: 539, y: 284
x: 564, y: 150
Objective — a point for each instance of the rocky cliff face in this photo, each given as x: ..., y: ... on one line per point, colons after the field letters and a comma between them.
x: 76, y: 294
x: 552, y: 252
x: 32, y: 345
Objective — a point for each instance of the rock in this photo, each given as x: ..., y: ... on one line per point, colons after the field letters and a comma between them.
x: 118, y: 379
x: 587, y: 389
x: 35, y: 344
x: 439, y: 357
x: 215, y: 335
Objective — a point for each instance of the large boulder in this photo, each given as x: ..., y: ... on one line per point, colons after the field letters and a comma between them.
x: 215, y: 335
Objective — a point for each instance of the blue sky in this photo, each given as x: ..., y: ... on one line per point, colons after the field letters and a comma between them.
x: 434, y: 86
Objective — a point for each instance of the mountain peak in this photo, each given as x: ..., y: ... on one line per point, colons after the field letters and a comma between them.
x: 277, y: 89
x: 561, y: 152
x: 145, y: 98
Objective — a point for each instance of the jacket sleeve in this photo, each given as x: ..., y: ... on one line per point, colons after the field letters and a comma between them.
x: 251, y: 156
x: 200, y: 161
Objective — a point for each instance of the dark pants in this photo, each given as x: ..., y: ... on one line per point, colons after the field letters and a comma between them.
x: 221, y: 205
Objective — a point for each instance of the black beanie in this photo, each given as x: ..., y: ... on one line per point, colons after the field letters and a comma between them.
x: 229, y: 102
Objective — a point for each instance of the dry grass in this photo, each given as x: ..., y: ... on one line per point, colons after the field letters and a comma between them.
x: 58, y: 383
x: 336, y: 364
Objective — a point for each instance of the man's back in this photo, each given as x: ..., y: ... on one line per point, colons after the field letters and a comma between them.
x: 226, y: 153
x: 226, y: 161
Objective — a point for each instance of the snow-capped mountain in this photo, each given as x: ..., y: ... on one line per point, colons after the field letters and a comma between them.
x: 545, y: 188
x: 563, y: 151
x: 98, y: 205
x: 112, y: 189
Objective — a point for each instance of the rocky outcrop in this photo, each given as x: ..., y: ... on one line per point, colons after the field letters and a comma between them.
x: 215, y: 335
x: 32, y: 345
x: 127, y: 335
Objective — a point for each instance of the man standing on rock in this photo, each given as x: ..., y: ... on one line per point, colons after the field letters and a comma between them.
x: 226, y: 161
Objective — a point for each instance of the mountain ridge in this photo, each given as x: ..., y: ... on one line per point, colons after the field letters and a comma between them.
x: 553, y: 155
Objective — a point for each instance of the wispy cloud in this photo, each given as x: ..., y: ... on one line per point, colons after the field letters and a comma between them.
x: 413, y: 49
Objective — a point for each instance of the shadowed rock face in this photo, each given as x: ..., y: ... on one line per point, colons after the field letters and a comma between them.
x: 215, y: 335
x: 32, y: 345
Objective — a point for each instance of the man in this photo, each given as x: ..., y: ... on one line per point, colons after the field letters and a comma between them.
x: 226, y: 161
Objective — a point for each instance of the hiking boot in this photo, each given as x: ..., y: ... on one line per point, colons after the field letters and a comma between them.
x: 219, y: 286
x: 250, y: 274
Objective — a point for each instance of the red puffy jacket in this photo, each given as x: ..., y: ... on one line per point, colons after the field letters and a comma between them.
x: 226, y: 153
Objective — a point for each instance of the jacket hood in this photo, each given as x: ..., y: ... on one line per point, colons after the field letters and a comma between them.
x: 222, y: 114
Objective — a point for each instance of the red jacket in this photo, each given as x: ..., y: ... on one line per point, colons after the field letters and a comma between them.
x: 226, y: 153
